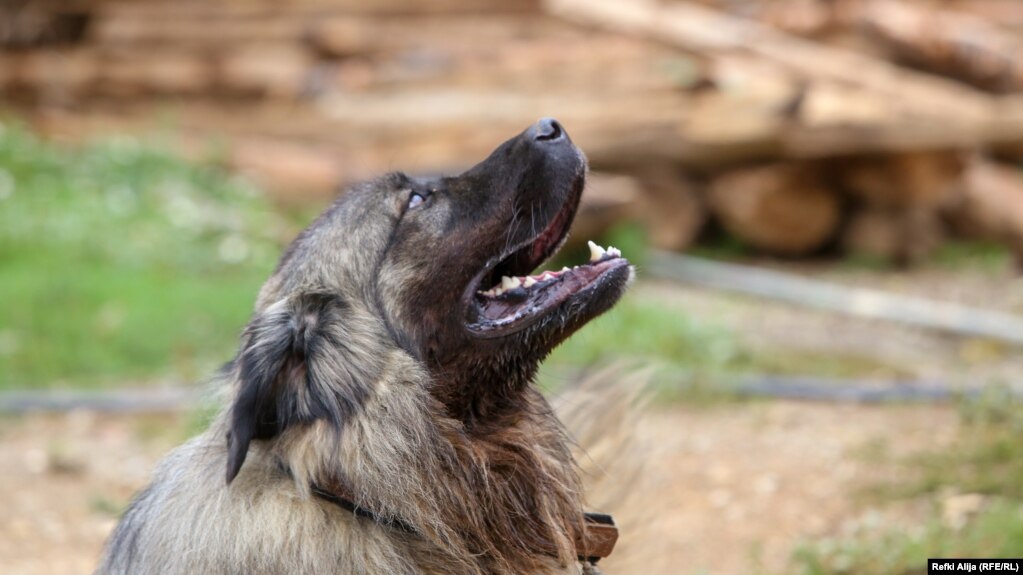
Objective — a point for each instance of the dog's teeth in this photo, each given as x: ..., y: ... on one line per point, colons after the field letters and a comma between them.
x: 564, y: 269
x: 596, y: 252
x: 508, y: 283
x: 614, y: 252
x: 530, y: 282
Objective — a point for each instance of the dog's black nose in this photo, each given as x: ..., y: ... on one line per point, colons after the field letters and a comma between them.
x: 547, y: 130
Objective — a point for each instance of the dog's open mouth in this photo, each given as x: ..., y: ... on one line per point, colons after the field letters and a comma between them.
x: 506, y: 299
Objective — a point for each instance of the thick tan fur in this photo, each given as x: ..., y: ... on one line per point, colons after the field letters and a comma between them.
x: 401, y: 459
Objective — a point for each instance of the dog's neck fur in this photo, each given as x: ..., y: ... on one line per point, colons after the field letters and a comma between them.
x: 507, y: 501
x: 489, y: 401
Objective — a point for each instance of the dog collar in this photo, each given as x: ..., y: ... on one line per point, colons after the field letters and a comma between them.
x: 596, y: 541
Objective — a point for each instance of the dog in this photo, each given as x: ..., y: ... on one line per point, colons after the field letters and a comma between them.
x: 381, y: 413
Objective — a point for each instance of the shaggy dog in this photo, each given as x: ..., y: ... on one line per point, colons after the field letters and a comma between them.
x: 382, y: 417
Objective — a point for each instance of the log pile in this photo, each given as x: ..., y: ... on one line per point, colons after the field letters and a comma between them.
x: 868, y: 125
x: 877, y: 126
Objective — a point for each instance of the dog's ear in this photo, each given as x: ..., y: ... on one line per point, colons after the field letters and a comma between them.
x: 292, y: 371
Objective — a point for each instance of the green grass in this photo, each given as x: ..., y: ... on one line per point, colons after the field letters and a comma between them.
x: 642, y: 331
x: 682, y: 352
x: 688, y: 359
x: 722, y: 247
x: 975, y: 255
x: 956, y: 255
x: 122, y: 262
x: 985, y: 459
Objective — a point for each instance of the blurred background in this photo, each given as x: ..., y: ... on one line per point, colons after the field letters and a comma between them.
x: 823, y: 199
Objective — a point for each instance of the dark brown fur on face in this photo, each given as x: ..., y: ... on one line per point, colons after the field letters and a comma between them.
x: 379, y: 361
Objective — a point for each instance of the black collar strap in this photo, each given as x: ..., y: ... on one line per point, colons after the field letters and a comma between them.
x: 347, y: 504
x: 597, y: 541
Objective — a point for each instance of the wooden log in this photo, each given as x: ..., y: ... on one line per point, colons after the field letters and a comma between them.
x: 830, y: 21
x: 43, y: 23
x: 873, y: 233
x: 157, y: 9
x: 894, y: 235
x: 294, y: 173
x: 191, y: 28
x: 673, y: 210
x: 56, y: 76
x: 335, y: 33
x: 782, y: 209
x: 963, y: 46
x: 902, y: 196
x: 161, y: 72
x: 904, y: 180
x: 1004, y: 12
x: 80, y: 72
x: 273, y: 70
x: 991, y: 205
x: 470, y: 35
x: 609, y: 199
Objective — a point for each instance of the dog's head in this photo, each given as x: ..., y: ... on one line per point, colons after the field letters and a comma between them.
x: 437, y: 268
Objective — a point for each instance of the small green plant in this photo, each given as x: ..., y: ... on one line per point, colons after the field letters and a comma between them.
x: 867, y: 262
x: 979, y: 255
x: 721, y: 247
x: 105, y: 506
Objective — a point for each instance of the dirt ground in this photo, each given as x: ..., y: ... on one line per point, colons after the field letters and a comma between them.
x: 723, y: 487
x: 737, y: 487
x: 727, y: 488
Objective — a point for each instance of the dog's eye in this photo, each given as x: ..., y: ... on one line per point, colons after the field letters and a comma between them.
x: 415, y: 200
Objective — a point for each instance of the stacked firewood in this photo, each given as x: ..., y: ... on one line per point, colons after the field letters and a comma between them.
x: 882, y: 127
x: 872, y: 126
